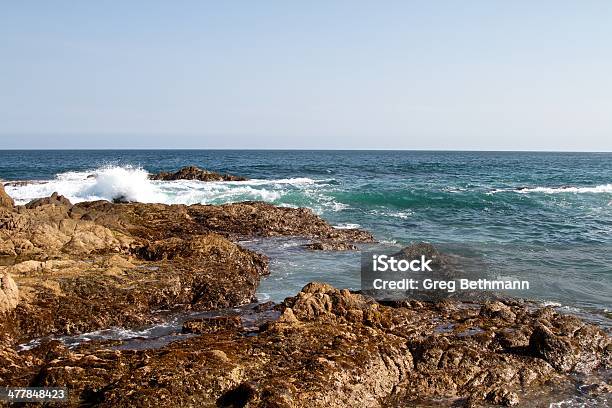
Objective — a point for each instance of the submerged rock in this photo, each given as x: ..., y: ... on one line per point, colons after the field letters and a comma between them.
x: 330, y: 246
x: 195, y: 173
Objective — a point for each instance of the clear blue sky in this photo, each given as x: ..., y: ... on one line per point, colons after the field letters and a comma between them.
x: 498, y: 75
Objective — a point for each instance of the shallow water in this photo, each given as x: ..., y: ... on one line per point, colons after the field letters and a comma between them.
x: 544, y: 217
x: 168, y: 330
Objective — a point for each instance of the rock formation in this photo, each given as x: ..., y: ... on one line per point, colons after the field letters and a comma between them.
x: 195, y: 173
x: 94, y: 265
x: 54, y: 199
x: 334, y: 348
x: 68, y: 269
x: 9, y: 294
x: 5, y: 200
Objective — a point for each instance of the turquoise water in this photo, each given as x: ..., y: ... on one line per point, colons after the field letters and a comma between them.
x: 545, y: 217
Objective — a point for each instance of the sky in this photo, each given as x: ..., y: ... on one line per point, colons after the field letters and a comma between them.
x: 451, y: 75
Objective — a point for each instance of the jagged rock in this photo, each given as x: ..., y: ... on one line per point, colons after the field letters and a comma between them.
x: 570, y: 345
x: 557, y: 350
x: 9, y: 293
x: 496, y: 309
x: 5, y: 200
x: 195, y: 173
x: 79, y: 295
x: 54, y: 199
x: 236, y: 220
x: 328, y: 348
x: 94, y: 265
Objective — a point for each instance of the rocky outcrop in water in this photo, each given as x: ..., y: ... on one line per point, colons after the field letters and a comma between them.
x: 90, y: 266
x: 54, y: 199
x: 195, y: 173
x: 68, y: 269
x: 238, y: 220
x: 330, y: 246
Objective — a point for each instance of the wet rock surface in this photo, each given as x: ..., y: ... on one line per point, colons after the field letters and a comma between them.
x: 54, y: 199
x: 237, y: 220
x: 195, y: 173
x: 90, y: 266
x: 84, y: 267
x: 330, y: 246
x: 332, y: 348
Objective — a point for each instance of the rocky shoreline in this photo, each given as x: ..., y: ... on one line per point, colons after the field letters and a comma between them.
x: 68, y: 269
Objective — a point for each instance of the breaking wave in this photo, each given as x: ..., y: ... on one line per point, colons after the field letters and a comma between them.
x: 132, y: 184
x: 603, y: 188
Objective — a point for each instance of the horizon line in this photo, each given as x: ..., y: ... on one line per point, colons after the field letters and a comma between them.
x: 298, y: 149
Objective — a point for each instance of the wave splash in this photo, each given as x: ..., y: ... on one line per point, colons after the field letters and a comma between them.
x: 131, y: 183
x: 126, y: 183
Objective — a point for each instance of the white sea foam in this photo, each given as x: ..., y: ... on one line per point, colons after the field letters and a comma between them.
x: 602, y: 188
x: 401, y: 214
x: 132, y: 184
x: 347, y: 226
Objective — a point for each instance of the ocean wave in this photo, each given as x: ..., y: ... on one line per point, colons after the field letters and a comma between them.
x: 602, y: 188
x: 132, y: 184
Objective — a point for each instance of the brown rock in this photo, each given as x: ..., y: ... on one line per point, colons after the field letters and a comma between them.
x: 345, y: 350
x: 209, y: 272
x: 288, y: 316
x: 557, y: 350
x: 54, y: 199
x: 195, y: 173
x: 496, y: 309
x: 5, y: 200
x: 330, y: 246
x: 212, y: 324
x: 237, y: 220
x: 9, y: 294
x: 94, y: 265
x: 579, y: 350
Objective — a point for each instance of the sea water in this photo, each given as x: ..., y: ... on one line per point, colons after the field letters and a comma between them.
x: 541, y: 217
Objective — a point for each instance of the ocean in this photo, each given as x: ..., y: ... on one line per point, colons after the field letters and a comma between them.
x: 541, y: 217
